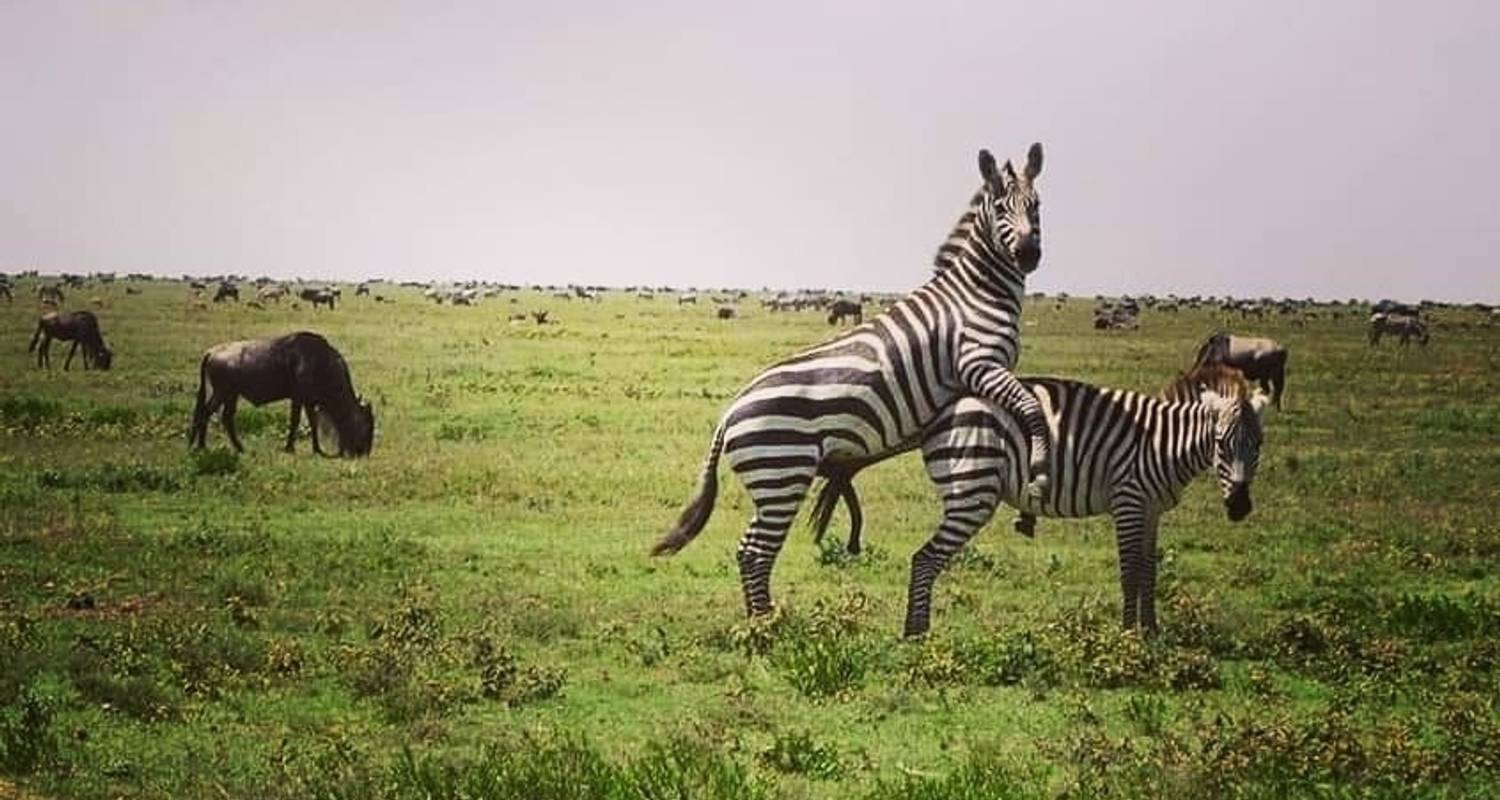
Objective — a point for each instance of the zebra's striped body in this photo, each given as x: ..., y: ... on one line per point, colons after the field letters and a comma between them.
x: 873, y: 390
x: 1120, y: 453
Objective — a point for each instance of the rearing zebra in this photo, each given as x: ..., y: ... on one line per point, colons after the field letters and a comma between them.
x: 869, y: 392
x: 1120, y: 453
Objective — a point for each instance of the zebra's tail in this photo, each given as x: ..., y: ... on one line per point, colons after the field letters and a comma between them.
x: 838, y: 486
x: 35, y: 337
x: 701, y: 507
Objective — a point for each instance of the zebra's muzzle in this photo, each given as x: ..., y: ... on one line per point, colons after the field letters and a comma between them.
x: 1029, y: 254
x: 1238, y: 504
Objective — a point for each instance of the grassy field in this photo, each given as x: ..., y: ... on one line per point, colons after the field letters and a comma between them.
x: 471, y: 612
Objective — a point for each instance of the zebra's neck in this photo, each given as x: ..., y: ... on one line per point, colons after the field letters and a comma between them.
x: 968, y: 254
x: 1197, y: 435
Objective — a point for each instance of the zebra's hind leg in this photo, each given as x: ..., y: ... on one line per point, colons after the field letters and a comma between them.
x: 776, y: 502
x: 965, y: 512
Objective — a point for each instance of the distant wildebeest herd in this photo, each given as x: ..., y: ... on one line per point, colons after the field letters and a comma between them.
x: 933, y: 370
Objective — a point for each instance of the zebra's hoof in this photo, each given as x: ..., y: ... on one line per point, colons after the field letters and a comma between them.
x: 1026, y: 526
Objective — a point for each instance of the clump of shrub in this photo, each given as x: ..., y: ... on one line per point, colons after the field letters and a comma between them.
x: 118, y: 416
x: 502, y: 678
x: 1443, y: 617
x: 460, y: 431
x: 825, y: 653
x: 563, y: 769
x: 28, y: 739
x: 120, y: 678
x: 113, y: 478
x: 984, y: 776
x: 402, y: 642
x: 27, y: 414
x: 797, y: 753
x: 215, y: 461
x: 1085, y: 646
x: 1009, y: 660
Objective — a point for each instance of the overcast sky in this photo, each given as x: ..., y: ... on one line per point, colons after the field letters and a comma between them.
x: 1288, y: 148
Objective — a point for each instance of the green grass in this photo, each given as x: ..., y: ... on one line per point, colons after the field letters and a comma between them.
x: 471, y: 611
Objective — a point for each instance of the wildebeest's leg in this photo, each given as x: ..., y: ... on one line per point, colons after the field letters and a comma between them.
x: 68, y: 362
x: 1129, y: 511
x: 1278, y: 382
x: 291, y: 428
x: 776, y: 500
x: 226, y: 417
x: 312, y: 427
x: 43, y: 351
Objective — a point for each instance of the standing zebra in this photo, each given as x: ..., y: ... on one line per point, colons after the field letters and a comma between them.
x: 868, y: 393
x: 1120, y: 453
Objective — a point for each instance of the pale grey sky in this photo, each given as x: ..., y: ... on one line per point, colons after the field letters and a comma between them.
x: 1331, y: 148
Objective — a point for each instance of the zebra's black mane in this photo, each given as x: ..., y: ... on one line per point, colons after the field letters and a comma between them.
x: 953, y: 246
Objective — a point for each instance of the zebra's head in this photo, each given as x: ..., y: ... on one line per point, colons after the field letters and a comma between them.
x: 1011, y: 213
x: 1237, y: 437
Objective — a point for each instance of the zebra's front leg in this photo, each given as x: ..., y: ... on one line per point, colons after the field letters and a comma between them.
x: 986, y: 377
x: 1148, y: 563
x: 1129, y: 511
x: 776, y: 503
x: 964, y: 514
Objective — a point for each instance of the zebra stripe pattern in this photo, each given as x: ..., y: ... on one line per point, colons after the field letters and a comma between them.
x: 872, y: 391
x: 1120, y: 453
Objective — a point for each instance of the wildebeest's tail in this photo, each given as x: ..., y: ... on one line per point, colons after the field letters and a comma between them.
x: 35, y: 337
x: 838, y: 486
x: 200, y: 406
x: 696, y: 515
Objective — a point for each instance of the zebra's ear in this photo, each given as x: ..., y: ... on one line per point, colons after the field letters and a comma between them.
x: 1034, y: 161
x: 988, y: 171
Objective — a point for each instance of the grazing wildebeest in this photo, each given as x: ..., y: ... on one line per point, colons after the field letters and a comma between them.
x: 227, y: 291
x: 725, y: 312
x: 8, y: 292
x: 845, y: 309
x: 78, y: 327
x: 50, y: 293
x: 1121, y: 453
x: 302, y: 367
x: 1261, y: 360
x: 318, y: 297
x: 362, y: 290
x: 1397, y: 325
